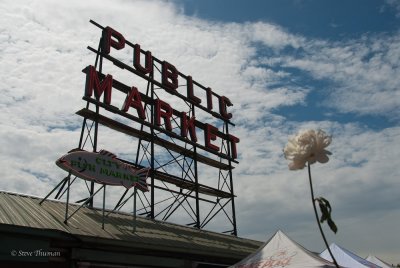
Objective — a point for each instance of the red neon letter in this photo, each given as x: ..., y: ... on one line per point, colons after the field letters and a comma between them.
x: 108, y: 41
x: 190, y: 93
x: 210, y: 135
x: 223, y: 102
x: 92, y: 82
x: 169, y: 76
x: 148, y: 61
x: 188, y: 125
x: 134, y: 100
x: 166, y: 114
x: 233, y: 141
x: 209, y: 99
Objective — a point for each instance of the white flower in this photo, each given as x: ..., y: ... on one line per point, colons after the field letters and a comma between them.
x: 307, y: 146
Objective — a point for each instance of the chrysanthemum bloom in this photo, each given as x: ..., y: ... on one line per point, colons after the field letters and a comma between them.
x: 307, y: 146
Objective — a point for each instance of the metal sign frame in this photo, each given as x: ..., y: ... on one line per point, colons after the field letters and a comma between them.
x: 175, y: 183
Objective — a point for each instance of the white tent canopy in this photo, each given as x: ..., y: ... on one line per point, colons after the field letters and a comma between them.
x: 346, y: 258
x: 281, y: 251
x: 378, y: 261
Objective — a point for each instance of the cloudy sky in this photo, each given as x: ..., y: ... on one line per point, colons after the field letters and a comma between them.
x: 286, y: 65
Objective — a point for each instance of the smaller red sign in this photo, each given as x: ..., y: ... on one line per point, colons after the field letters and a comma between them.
x: 103, y: 167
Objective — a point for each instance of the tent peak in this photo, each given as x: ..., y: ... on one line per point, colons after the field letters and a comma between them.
x: 282, y: 251
x: 346, y: 258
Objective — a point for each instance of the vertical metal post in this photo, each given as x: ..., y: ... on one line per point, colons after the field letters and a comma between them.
x: 152, y: 151
x: 91, y: 193
x: 96, y: 126
x: 196, y: 179
x: 141, y: 126
x: 66, y: 209
x: 134, y: 209
x: 231, y: 182
x: 104, y: 205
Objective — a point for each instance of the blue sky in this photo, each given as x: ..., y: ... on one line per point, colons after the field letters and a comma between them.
x: 336, y: 21
x: 333, y: 20
x: 285, y: 65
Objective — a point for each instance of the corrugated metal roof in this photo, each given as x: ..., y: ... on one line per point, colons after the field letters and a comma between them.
x: 25, y: 211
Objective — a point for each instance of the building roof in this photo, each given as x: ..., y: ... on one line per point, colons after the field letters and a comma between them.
x: 86, y: 225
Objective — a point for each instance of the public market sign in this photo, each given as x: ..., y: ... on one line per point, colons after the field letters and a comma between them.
x: 171, y: 80
x: 103, y: 167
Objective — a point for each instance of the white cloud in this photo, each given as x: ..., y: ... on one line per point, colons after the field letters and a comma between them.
x: 274, y: 36
x: 256, y: 65
x: 394, y: 4
x: 360, y: 72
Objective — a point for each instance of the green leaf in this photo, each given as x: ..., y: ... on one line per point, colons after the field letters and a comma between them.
x: 332, y: 225
x: 326, y: 210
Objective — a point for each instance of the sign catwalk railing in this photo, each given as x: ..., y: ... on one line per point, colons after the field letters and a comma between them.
x: 174, y: 148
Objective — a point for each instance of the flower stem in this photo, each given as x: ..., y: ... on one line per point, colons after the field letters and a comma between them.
x: 316, y: 215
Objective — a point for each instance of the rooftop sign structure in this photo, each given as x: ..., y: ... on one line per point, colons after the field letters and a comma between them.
x: 180, y: 127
